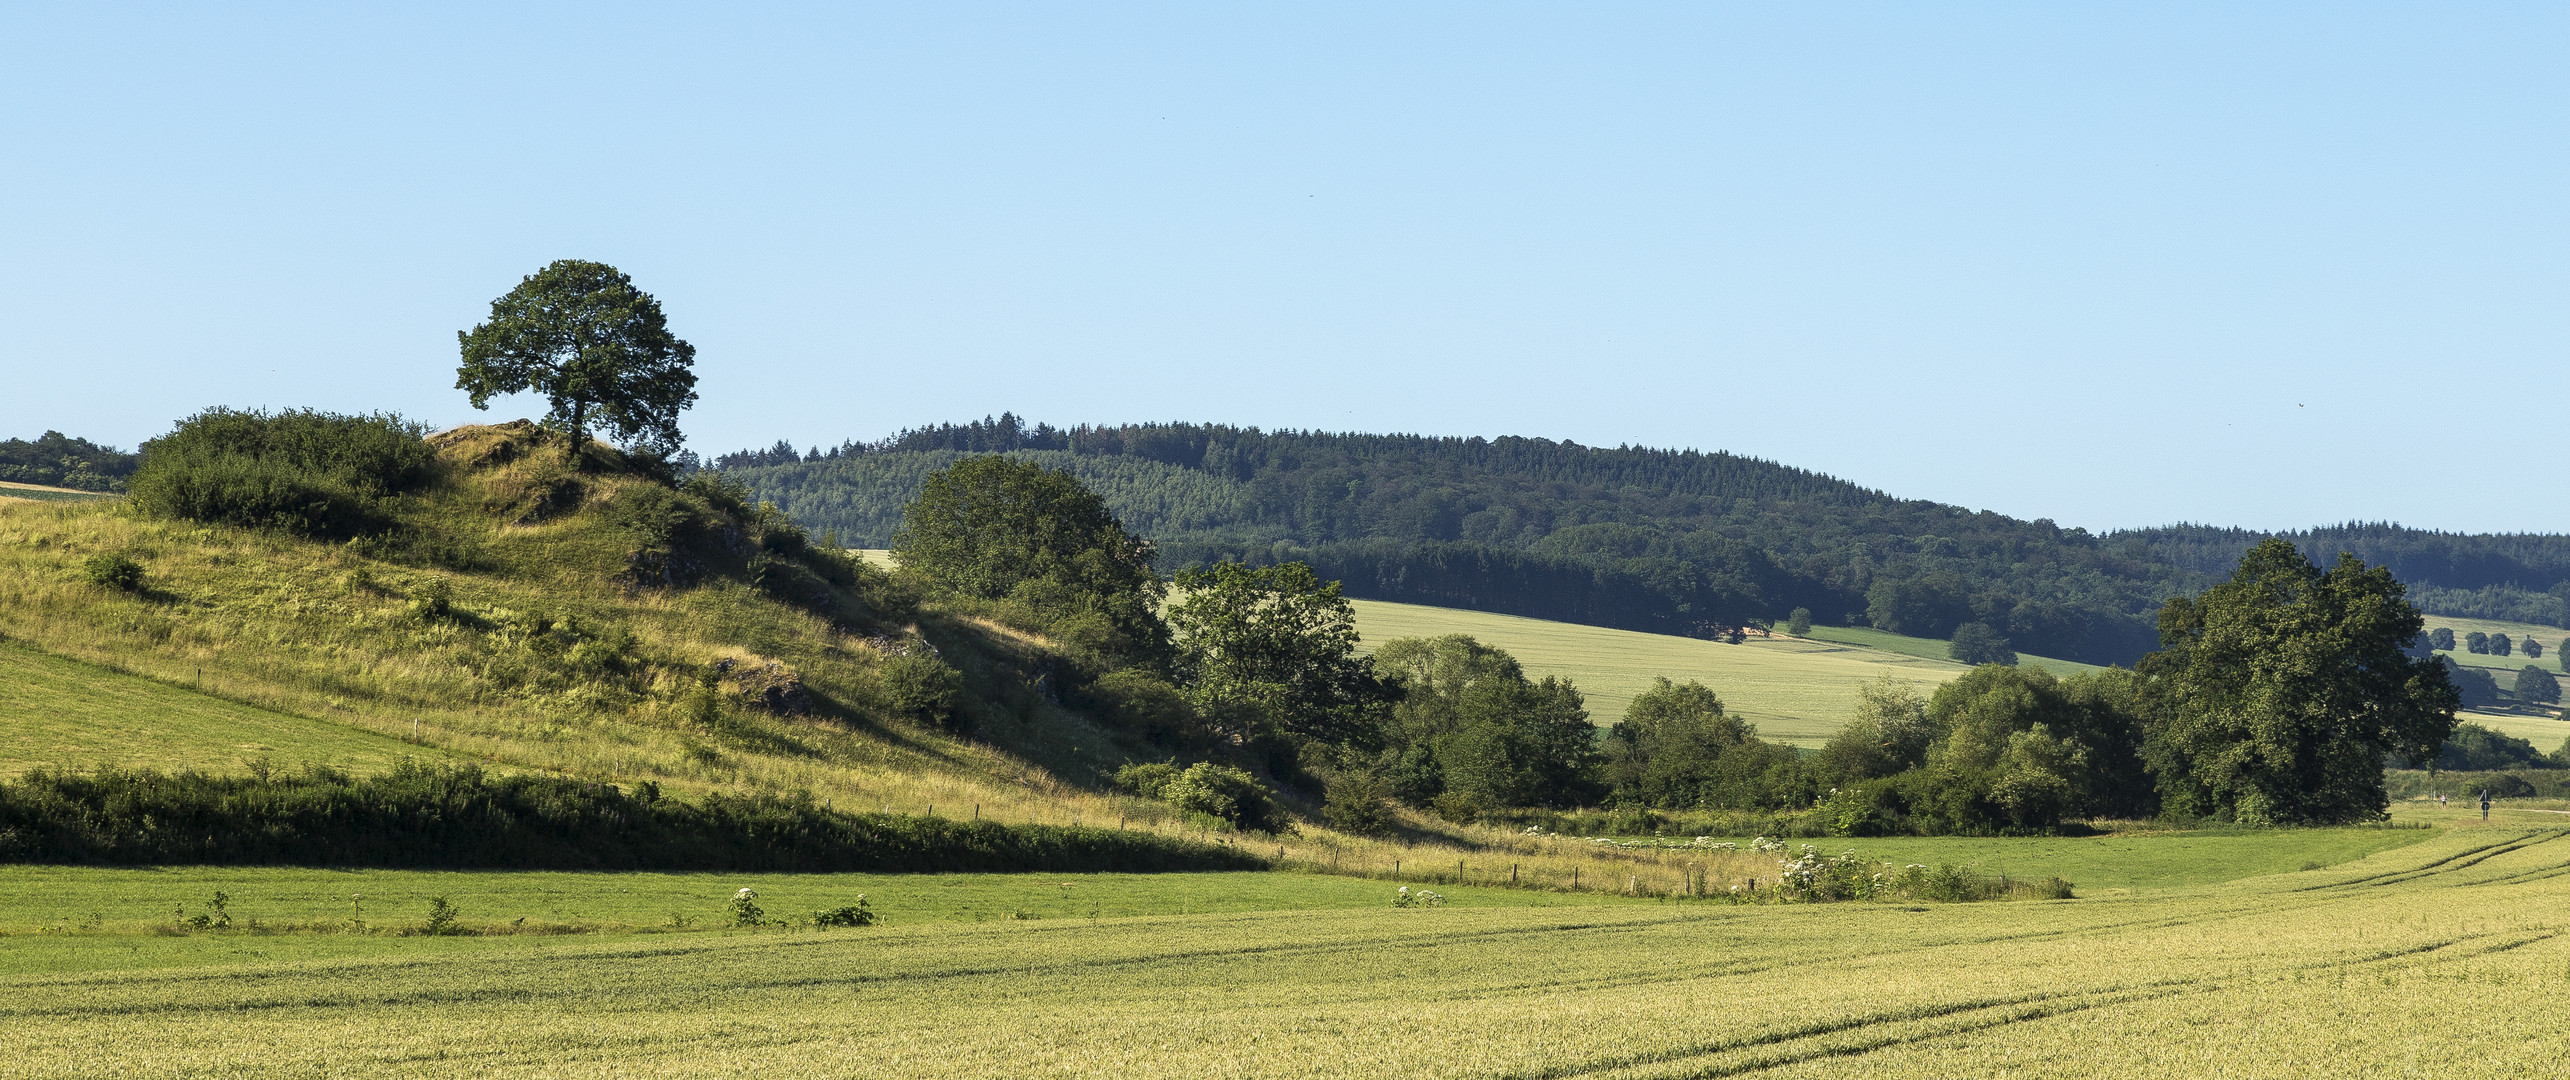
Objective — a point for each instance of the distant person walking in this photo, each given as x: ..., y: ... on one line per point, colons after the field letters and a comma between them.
x: 2485, y: 804
x: 2440, y: 800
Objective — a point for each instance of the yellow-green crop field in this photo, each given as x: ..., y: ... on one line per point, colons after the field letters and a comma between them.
x: 1797, y: 690
x: 2443, y: 957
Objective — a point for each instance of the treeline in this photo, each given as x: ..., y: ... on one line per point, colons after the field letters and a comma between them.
x: 2274, y: 698
x: 57, y: 460
x: 1678, y: 541
x: 2510, y: 577
x: 463, y: 818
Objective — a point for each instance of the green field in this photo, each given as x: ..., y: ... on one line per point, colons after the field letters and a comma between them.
x: 35, y: 899
x: 62, y: 712
x: 42, y: 493
x: 2503, y: 666
x: 1931, y: 648
x: 2381, y: 965
x: 1796, y: 690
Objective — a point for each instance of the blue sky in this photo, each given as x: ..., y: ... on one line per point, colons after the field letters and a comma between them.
x: 2116, y: 265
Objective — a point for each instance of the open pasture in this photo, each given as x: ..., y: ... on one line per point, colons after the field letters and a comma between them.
x: 2399, y: 963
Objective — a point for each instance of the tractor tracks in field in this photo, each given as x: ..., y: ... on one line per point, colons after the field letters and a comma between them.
x: 1857, y: 1035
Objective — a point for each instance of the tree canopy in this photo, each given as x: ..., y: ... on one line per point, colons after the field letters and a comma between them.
x: 1472, y: 732
x: 1269, y: 654
x: 596, y: 347
x: 998, y: 529
x: 1976, y: 643
x: 2278, y: 693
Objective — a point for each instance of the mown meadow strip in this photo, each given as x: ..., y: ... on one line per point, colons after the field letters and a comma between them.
x: 2252, y: 978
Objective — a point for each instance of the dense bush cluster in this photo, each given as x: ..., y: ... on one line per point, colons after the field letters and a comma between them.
x: 417, y: 816
x: 306, y: 472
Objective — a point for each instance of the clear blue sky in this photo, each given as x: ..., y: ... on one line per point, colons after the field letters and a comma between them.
x: 2268, y: 265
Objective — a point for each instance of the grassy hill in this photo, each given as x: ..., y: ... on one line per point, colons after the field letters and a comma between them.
x: 548, y: 656
x: 1797, y: 690
x: 589, y: 623
x: 69, y: 714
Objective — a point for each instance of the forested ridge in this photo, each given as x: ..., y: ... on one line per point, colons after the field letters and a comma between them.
x: 1677, y: 541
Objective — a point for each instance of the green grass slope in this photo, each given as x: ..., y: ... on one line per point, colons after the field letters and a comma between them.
x: 68, y: 714
x: 552, y: 656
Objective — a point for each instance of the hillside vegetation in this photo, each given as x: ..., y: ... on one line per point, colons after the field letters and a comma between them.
x: 512, y: 607
x: 590, y: 620
x: 1797, y: 691
x: 1664, y: 541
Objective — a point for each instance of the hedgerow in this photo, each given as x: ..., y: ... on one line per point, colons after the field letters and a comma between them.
x: 465, y: 818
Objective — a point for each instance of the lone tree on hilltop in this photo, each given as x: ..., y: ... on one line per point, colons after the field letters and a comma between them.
x: 597, y: 348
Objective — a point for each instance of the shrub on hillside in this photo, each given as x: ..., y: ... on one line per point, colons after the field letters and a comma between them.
x: 1144, y: 704
x: 1976, y: 643
x: 922, y: 688
x: 115, y: 571
x: 302, y: 471
x: 1358, y: 803
x: 1147, y: 779
x: 1225, y: 794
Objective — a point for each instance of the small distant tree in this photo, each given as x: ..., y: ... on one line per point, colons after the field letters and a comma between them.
x: 2537, y: 686
x: 2476, y: 643
x: 2500, y: 645
x: 1799, y: 623
x: 2441, y: 638
x: 1976, y: 643
x: 2533, y: 648
x: 597, y: 348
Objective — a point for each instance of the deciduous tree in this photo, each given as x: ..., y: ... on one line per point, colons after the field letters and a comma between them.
x: 2277, y: 693
x: 1269, y: 653
x: 596, y: 347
